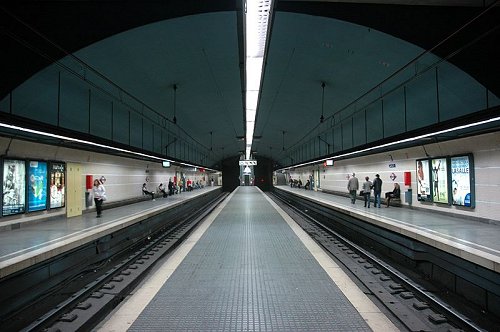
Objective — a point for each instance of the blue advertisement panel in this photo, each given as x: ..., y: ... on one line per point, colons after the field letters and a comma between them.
x: 37, y: 186
x: 14, y: 187
x: 57, y: 184
x: 461, y: 180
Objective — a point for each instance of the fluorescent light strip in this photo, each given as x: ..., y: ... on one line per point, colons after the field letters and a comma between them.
x: 37, y: 132
x: 257, y: 19
x: 397, y: 142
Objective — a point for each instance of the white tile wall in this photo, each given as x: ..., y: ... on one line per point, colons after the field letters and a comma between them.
x: 124, y: 177
x: 486, y: 151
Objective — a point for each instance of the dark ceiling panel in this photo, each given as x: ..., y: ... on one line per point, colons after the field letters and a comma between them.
x: 427, y: 27
x: 73, y: 25
x: 351, y: 47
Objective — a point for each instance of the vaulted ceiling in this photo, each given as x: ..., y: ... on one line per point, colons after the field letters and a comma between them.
x: 185, y: 59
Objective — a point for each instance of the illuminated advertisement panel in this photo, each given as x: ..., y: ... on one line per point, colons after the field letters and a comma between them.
x: 439, y: 168
x: 462, y: 174
x: 423, y: 180
x: 57, y: 185
x: 37, y: 185
x: 14, y: 187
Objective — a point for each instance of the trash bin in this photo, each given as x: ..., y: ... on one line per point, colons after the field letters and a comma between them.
x: 88, y: 199
x: 408, y: 196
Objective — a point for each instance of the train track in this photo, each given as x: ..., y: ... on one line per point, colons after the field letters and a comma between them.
x: 410, y: 305
x: 84, y: 309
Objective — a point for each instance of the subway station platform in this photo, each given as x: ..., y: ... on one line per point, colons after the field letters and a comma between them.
x: 35, y: 242
x: 249, y: 267
x: 472, y: 240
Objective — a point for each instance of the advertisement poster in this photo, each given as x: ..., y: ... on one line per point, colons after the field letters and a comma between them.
x: 57, y: 185
x: 14, y: 187
x: 37, y: 186
x: 423, y: 180
x: 439, y: 169
x: 461, y: 181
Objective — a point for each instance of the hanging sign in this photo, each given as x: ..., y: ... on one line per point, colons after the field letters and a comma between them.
x: 248, y: 162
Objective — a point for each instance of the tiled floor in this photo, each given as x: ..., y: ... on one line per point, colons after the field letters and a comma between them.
x: 250, y: 272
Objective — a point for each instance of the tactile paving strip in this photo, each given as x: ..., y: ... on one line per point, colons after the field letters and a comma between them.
x: 249, y: 272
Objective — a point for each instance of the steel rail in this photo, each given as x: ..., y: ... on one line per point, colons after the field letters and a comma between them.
x: 67, y: 305
x: 419, y: 291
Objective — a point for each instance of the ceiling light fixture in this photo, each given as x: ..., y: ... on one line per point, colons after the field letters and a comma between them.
x: 257, y: 14
x: 80, y: 141
x: 397, y: 142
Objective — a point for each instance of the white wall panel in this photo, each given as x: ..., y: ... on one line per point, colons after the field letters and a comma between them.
x: 486, y: 152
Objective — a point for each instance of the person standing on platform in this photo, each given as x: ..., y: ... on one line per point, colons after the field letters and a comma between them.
x: 99, y: 195
x: 352, y: 187
x: 367, y: 190
x: 377, y: 190
x: 179, y: 185
x: 171, y: 187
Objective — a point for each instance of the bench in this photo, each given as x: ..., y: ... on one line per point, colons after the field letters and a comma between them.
x: 394, y: 202
x: 123, y: 202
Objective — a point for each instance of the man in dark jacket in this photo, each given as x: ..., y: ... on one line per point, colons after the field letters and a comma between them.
x: 377, y: 190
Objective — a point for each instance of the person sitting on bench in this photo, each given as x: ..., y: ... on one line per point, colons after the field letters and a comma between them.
x: 395, y: 193
x: 161, y: 189
x: 145, y: 191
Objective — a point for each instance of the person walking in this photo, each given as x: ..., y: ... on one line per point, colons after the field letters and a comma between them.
x: 352, y: 187
x: 377, y: 190
x: 367, y: 189
x: 99, y: 195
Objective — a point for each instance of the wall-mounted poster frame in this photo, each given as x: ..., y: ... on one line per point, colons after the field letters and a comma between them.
x: 440, y: 176
x: 423, y: 167
x: 462, y: 180
x: 37, y: 185
x: 14, y: 186
x: 57, y: 174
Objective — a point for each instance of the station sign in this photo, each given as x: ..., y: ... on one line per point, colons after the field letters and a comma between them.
x: 248, y: 162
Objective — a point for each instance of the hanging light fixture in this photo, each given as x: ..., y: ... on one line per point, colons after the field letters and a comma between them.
x: 174, y: 120
x: 322, y: 118
x: 283, y: 140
